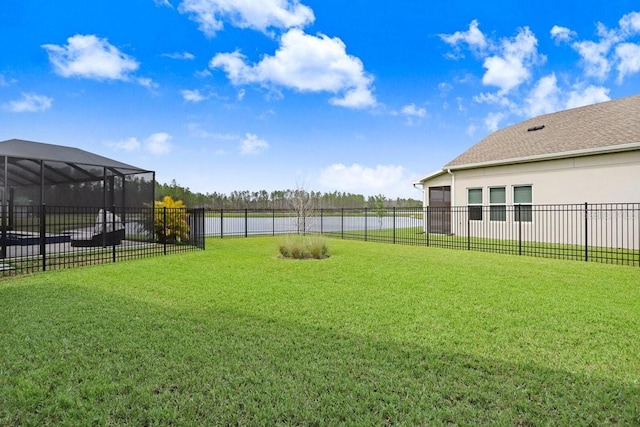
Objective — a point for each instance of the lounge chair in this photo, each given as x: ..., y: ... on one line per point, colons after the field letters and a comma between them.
x: 102, y: 235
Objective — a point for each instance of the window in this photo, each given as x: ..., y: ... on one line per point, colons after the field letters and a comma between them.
x: 497, y: 204
x: 522, y: 198
x: 474, y: 200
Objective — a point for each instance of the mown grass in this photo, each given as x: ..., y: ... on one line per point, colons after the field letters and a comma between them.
x: 375, y: 334
x: 416, y: 236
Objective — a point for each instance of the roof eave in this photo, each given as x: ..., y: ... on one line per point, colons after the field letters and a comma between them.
x: 553, y: 156
x: 430, y: 176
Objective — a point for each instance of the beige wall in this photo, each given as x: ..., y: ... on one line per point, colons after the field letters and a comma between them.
x: 605, y: 178
x: 610, y: 178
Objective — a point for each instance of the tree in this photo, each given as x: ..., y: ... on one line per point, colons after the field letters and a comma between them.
x: 379, y: 209
x: 301, y: 202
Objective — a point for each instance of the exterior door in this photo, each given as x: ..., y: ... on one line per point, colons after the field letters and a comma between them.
x: 439, y: 212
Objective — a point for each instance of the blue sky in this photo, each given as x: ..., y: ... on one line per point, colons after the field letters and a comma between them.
x: 329, y: 95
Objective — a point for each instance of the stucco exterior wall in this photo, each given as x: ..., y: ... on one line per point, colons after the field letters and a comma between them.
x: 605, y: 178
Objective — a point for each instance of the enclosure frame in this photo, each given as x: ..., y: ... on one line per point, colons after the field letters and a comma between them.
x: 35, y: 165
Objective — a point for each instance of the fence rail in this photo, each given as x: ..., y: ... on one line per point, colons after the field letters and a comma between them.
x: 608, y: 233
x: 40, y: 238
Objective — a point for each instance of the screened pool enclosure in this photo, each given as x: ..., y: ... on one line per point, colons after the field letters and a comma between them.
x: 62, y: 207
x: 33, y: 174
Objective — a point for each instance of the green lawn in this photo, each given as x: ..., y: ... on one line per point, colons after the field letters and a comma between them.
x: 377, y: 334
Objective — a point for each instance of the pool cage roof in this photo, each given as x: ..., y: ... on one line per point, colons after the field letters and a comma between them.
x: 51, y: 168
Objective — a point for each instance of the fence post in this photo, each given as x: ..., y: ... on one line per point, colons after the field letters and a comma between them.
x: 221, y: 222
x: 394, y: 224
x: 321, y: 221
x: 4, y: 231
x: 273, y: 222
x: 426, y: 231
x: 586, y: 231
x: 342, y: 223
x: 246, y: 222
x: 164, y: 230
x: 519, y: 210
x: 469, y: 228
x: 365, y: 224
x: 113, y: 229
x: 43, y: 236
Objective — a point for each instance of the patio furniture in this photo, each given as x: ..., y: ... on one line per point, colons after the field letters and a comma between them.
x: 102, y: 235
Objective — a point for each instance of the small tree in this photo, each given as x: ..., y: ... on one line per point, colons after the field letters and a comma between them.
x: 304, y: 207
x: 171, y: 223
x: 379, y: 209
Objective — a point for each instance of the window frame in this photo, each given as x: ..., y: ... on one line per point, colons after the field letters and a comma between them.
x: 523, y: 211
x: 498, y: 209
x: 474, y: 208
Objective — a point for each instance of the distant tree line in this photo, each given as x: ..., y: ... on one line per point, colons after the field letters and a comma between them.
x: 282, y: 199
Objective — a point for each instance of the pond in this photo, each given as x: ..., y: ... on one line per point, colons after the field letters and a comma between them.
x: 240, y: 226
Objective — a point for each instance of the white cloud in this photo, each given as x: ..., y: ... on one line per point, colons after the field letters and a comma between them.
x: 241, y: 94
x: 129, y: 144
x: 580, y: 96
x: 158, y: 143
x: 362, y: 179
x: 494, y: 98
x: 599, y: 57
x: 251, y: 144
x: 630, y: 24
x: 146, y: 82
x: 164, y: 3
x: 628, y: 55
x: 179, y: 55
x: 493, y: 119
x: 308, y: 64
x: 544, y: 98
x: 193, y: 95
x: 473, y: 37
x: 29, y: 103
x: 90, y: 57
x: 412, y: 110
x: 594, y: 57
x: 413, y: 114
x: 562, y: 34
x: 255, y: 14
x: 472, y: 129
x: 511, y: 66
x: 203, y: 73
x: 197, y: 131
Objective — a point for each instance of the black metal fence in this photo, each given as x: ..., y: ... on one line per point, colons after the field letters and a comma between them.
x: 39, y: 238
x: 608, y: 233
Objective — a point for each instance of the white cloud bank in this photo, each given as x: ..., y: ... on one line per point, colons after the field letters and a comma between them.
x: 251, y: 144
x: 510, y: 66
x: 305, y: 63
x: 610, y: 51
x: 156, y: 143
x: 29, y: 103
x: 388, y: 179
x: 302, y: 62
x: 259, y: 15
x: 91, y: 57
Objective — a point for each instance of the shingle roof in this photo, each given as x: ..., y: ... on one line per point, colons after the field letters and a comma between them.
x: 607, y: 125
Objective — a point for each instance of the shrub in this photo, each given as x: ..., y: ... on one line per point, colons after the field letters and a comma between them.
x: 174, y: 227
x: 303, y: 247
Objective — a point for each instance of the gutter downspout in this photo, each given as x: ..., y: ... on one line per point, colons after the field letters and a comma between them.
x: 453, y: 187
x: 424, y: 197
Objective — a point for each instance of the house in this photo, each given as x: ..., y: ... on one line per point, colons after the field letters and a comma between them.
x: 583, y: 155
